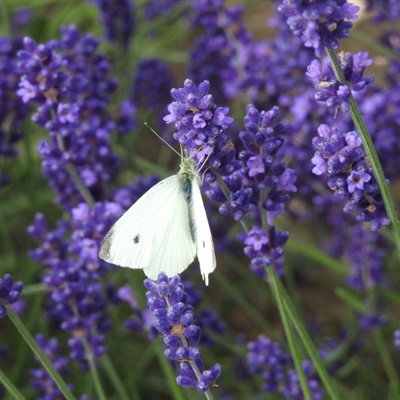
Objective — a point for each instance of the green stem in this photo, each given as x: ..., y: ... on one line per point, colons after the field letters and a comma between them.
x: 169, y: 373
x: 371, y: 153
x: 308, y: 344
x: 387, y: 362
x: 46, y: 363
x: 93, y: 371
x: 11, y: 389
x: 294, y: 351
x: 115, y: 379
x: 70, y: 168
x: 87, y: 196
x: 6, y: 19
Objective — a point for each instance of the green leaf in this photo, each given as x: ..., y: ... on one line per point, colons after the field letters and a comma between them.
x: 11, y: 389
x: 31, y: 342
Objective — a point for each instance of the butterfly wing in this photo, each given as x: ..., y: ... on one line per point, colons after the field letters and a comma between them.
x: 204, y: 241
x: 154, y: 234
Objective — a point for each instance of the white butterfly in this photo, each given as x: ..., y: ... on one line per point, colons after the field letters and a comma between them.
x: 165, y: 229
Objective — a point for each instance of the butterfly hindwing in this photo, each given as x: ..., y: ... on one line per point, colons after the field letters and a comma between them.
x: 204, y: 241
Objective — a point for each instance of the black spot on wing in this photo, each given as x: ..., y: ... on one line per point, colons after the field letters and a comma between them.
x: 204, y: 244
x: 105, y: 250
x: 136, y: 239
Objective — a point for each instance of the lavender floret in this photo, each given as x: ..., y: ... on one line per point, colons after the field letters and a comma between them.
x: 9, y: 292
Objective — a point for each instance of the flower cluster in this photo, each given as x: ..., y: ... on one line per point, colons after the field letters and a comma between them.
x: 268, y: 359
x: 341, y: 158
x: 174, y: 319
x: 218, y: 52
x: 78, y: 301
x: 155, y: 8
x: 366, y: 254
x: 69, y: 81
x: 265, y: 248
x: 207, y: 319
x: 40, y: 379
x: 388, y: 10
x: 382, y: 123
x: 197, y: 120
x: 333, y: 92
x: 319, y: 24
x: 9, y: 292
x: 13, y: 109
x: 118, y: 20
x: 151, y: 86
x: 260, y: 187
x: 397, y: 338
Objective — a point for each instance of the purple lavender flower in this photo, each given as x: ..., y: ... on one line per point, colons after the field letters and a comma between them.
x: 197, y: 120
x: 139, y: 319
x: 151, y: 86
x: 334, y: 93
x: 21, y: 18
x: 174, y: 319
x: 366, y: 252
x: 13, y: 108
x: 73, y: 271
x: 126, y: 120
x: 9, y: 292
x: 292, y: 388
x: 69, y: 81
x: 40, y: 379
x: 388, y: 10
x: 341, y: 158
x: 397, y: 338
x: 216, y: 55
x: 373, y: 319
x: 268, y: 359
x: 260, y: 186
x: 382, y: 122
x: 265, y: 249
x: 118, y: 20
x: 155, y: 8
x: 319, y: 24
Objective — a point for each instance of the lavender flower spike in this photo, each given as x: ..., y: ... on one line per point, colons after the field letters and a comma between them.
x: 341, y: 158
x: 197, y: 119
x: 9, y: 292
x: 320, y: 23
x: 333, y: 92
x: 174, y: 319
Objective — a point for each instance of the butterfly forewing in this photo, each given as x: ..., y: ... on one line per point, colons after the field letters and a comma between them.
x: 154, y: 234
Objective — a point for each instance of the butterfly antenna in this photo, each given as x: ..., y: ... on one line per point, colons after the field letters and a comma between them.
x: 180, y: 155
x: 203, y: 174
x: 204, y: 163
x: 201, y: 147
